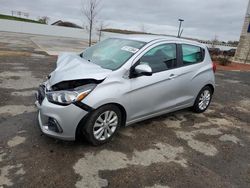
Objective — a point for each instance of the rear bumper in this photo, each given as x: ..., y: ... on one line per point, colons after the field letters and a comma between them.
x: 67, y: 118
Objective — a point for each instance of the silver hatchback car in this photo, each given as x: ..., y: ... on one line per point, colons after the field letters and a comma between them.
x: 120, y: 81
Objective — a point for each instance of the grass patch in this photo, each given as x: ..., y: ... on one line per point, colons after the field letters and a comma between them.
x: 6, y: 17
x: 121, y: 31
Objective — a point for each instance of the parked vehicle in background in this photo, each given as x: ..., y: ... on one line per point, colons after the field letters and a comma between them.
x: 218, y: 52
x: 229, y: 53
x: 121, y: 81
x: 214, y: 51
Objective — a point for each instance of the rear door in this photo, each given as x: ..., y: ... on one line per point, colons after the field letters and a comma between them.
x: 190, y: 73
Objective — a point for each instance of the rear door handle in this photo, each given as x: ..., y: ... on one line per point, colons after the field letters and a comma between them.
x: 172, y: 76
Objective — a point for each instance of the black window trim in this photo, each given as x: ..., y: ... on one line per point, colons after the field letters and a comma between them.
x: 181, y: 54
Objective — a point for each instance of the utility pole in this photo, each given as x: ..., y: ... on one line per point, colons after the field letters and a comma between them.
x: 179, y: 30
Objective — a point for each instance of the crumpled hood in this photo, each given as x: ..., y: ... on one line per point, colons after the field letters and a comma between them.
x: 73, y: 67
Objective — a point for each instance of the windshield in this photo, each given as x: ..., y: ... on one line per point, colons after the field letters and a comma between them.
x: 112, y: 53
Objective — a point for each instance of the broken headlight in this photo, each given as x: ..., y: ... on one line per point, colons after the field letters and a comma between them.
x: 66, y: 97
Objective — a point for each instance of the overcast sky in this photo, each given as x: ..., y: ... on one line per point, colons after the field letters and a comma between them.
x: 203, y: 18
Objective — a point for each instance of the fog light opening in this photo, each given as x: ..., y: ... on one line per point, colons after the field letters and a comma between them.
x: 53, y: 125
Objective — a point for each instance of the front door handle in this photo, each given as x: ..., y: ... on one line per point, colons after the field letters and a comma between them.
x: 172, y: 76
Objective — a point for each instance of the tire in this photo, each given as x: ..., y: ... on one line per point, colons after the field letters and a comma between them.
x: 105, y: 129
x: 204, y: 95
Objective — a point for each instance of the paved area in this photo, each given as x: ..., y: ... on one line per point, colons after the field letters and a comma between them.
x: 56, y: 45
x: 180, y: 149
x: 243, y: 67
x: 50, y: 45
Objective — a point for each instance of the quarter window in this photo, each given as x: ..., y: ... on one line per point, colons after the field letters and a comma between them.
x: 160, y: 58
x: 191, y: 54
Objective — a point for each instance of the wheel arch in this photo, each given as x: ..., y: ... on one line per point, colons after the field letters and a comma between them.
x: 207, y: 85
x: 85, y: 118
x: 211, y: 87
x: 123, y: 111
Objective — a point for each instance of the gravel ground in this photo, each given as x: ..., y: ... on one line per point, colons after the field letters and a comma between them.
x: 181, y: 149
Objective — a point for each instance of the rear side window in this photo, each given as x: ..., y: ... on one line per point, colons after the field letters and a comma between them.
x: 191, y: 54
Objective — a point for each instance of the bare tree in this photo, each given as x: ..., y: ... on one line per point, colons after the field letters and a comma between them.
x: 143, y: 28
x: 100, y: 28
x: 214, y: 41
x: 44, y: 19
x: 90, y: 11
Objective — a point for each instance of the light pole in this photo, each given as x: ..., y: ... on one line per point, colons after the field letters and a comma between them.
x: 179, y: 31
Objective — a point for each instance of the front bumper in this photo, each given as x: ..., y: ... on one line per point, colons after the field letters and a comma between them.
x: 67, y: 117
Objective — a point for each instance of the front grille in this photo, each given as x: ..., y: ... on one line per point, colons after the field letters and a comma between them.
x: 41, y: 94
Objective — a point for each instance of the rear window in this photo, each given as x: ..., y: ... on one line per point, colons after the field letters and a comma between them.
x: 192, y: 54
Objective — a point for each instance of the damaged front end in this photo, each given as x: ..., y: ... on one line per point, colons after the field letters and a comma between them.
x: 60, y: 98
x: 69, y: 85
x: 67, y: 92
x: 73, y: 79
x: 63, y: 94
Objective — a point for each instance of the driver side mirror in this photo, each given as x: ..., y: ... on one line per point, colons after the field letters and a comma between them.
x: 143, y: 69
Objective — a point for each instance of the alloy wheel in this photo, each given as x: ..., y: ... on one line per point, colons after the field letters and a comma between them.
x: 204, y: 99
x: 105, y: 125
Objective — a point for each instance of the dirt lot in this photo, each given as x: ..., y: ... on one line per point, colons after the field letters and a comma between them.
x: 180, y: 149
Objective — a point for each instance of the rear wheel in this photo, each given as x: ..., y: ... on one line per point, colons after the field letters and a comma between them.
x: 102, y: 124
x: 203, y: 100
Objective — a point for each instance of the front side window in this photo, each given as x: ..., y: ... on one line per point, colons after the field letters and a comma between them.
x: 191, y: 54
x: 112, y: 53
x: 160, y: 58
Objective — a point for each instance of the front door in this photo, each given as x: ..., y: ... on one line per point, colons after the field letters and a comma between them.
x: 156, y: 93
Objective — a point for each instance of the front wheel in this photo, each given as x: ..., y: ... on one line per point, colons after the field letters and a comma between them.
x: 102, y: 124
x: 203, y: 100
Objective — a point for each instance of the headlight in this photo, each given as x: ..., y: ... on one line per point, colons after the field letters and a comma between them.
x: 68, y: 97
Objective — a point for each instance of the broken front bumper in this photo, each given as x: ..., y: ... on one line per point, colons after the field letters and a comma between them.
x: 56, y: 120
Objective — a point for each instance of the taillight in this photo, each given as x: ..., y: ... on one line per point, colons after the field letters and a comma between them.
x: 214, y: 67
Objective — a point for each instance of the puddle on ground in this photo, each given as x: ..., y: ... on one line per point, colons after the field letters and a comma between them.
x: 110, y: 160
x: 16, y: 141
x: 6, y: 174
x: 24, y: 93
x: 229, y: 138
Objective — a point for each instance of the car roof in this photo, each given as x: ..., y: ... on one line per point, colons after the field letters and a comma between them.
x: 149, y: 38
